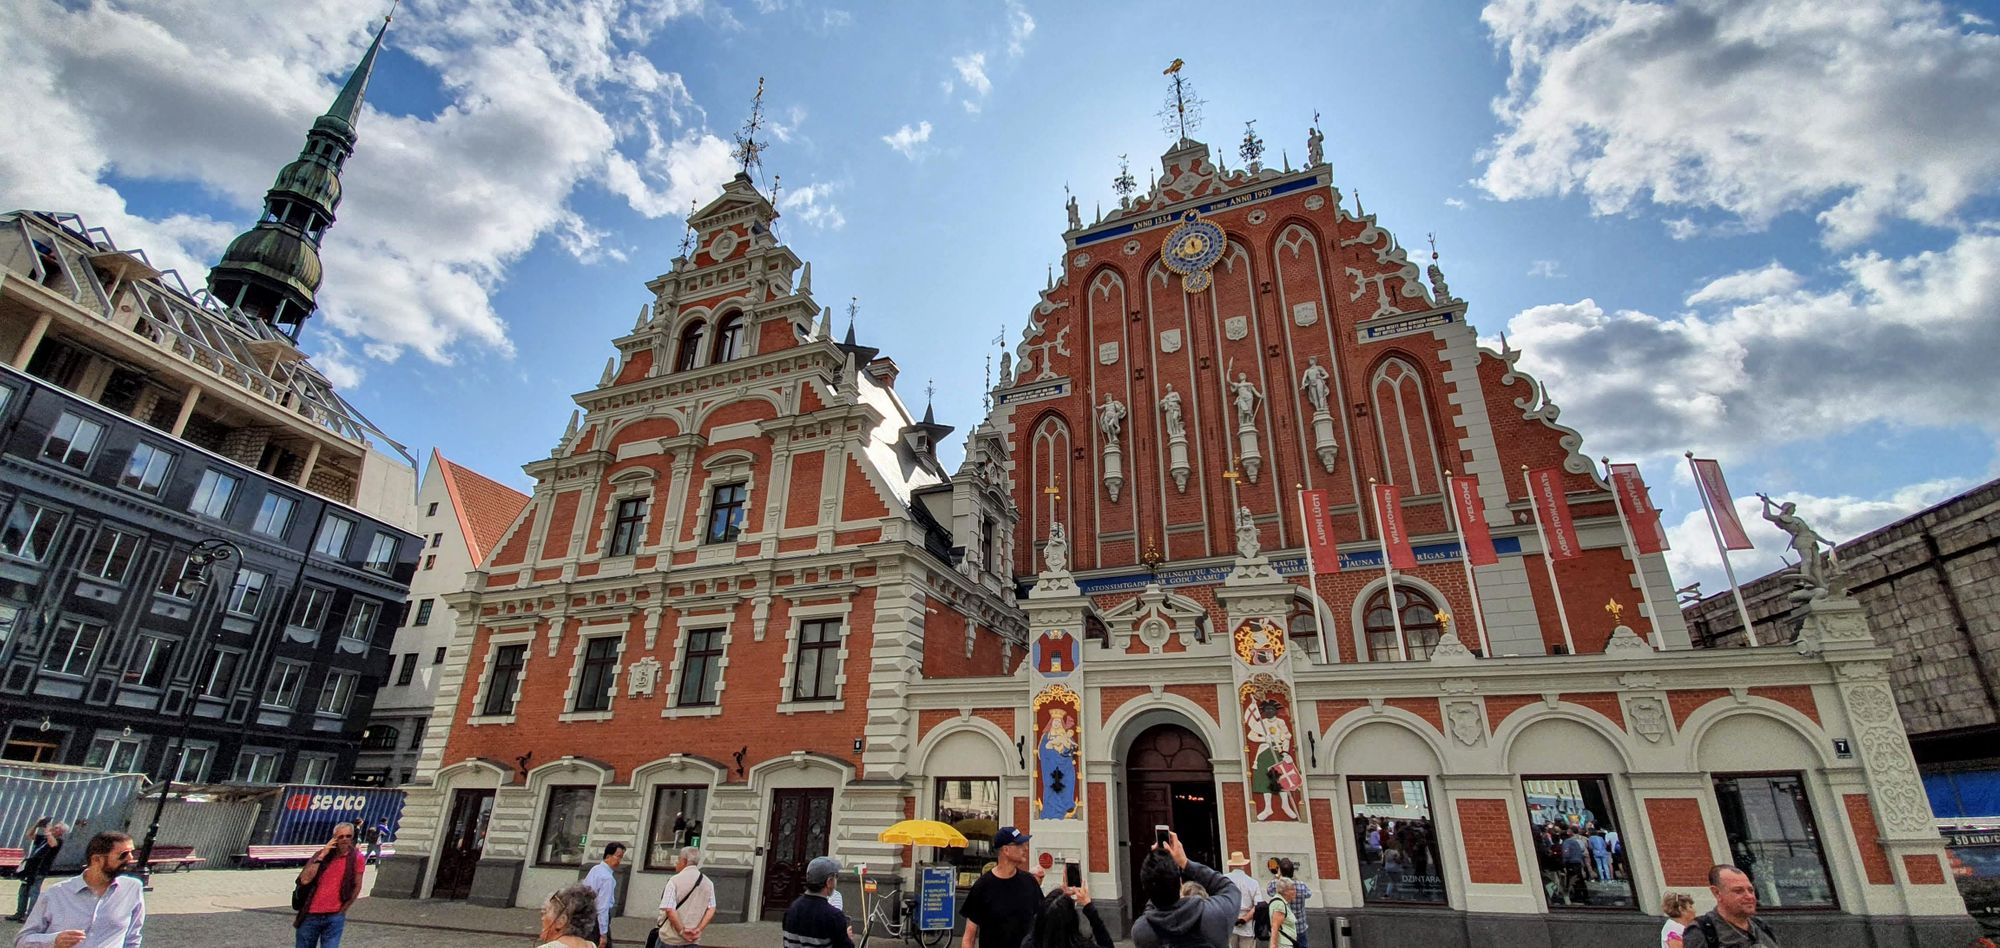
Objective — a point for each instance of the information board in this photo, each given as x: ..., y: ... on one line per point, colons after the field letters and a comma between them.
x: 937, y: 898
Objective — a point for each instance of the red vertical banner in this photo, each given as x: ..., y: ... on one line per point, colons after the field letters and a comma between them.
x: 1472, y: 520
x: 1389, y: 516
x: 1708, y: 475
x: 1647, y: 531
x: 1553, y: 507
x: 1319, y: 531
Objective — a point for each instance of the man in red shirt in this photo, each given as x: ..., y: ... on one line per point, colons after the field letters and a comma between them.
x: 331, y: 881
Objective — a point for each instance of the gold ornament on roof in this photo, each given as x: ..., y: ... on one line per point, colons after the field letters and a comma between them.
x: 1617, y: 612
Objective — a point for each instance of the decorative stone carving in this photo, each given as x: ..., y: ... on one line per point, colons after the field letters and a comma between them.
x: 1465, y: 722
x: 1080, y: 260
x: 1256, y: 217
x: 1451, y: 651
x: 1247, y: 544
x: 1244, y: 395
x: 1075, y: 215
x: 1170, y: 341
x: 1107, y: 353
x: 1458, y: 686
x: 1313, y: 383
x: 1816, y: 571
x: 1055, y: 552
x: 1625, y: 643
x: 641, y: 677
x: 1649, y: 718
x: 1110, y: 418
x: 1236, y: 328
x: 1315, y: 202
x: 1305, y: 314
x: 1176, y: 427
x: 1131, y: 248
x: 1639, y: 680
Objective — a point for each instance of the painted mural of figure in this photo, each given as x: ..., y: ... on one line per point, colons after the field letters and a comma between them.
x: 1274, y: 774
x: 1058, y: 766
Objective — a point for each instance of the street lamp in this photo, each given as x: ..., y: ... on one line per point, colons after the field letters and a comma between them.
x: 194, y: 579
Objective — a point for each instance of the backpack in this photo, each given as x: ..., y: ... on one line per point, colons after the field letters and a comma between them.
x: 1760, y: 933
x: 1260, y: 921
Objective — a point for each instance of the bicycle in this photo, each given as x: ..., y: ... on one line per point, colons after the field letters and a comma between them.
x: 897, y: 916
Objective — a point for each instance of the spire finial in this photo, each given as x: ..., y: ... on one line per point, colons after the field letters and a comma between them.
x: 1182, y: 113
x: 347, y: 105
x: 687, y: 239
x: 853, y: 307
x: 1252, y: 148
x: 749, y: 150
x: 1124, y: 185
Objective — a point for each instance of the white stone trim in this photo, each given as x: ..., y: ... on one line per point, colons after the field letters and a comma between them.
x: 687, y: 626
x: 494, y: 641
x: 796, y: 617
x: 637, y: 481
x: 1358, y: 630
x: 583, y: 639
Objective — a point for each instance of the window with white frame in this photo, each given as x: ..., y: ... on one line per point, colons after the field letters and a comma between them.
x: 274, y: 515
x: 424, y: 612
x: 726, y: 509
x: 309, y: 607
x: 213, y: 494
x: 332, y: 539
x: 152, y: 657
x: 338, y: 693
x: 381, y: 554
x: 312, y: 769
x: 816, y: 670
x: 247, y: 592
x: 193, y: 764
x: 361, y: 616
x: 282, y: 690
x: 218, y: 673
x: 72, y: 647
x: 177, y: 580
x: 30, y: 531
x: 146, y: 469
x: 115, y: 752
x: 72, y: 441
x: 596, y: 673
x: 701, y: 669
x: 628, y: 526
x: 503, y: 678
x: 110, y: 557
x: 257, y: 765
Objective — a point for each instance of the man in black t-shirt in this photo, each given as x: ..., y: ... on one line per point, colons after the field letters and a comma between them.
x: 1002, y: 905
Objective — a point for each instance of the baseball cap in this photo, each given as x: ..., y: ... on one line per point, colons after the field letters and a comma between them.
x: 821, y: 869
x: 1008, y: 836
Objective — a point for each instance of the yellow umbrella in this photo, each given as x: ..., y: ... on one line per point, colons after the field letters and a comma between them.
x: 922, y: 833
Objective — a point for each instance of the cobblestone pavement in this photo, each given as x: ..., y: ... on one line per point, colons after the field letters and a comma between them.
x: 238, y: 908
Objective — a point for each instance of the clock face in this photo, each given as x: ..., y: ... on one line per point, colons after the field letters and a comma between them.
x: 1193, y: 247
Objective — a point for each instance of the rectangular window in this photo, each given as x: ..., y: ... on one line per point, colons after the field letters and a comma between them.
x: 600, y: 668
x: 337, y: 693
x: 500, y: 685
x: 629, y: 527
x: 313, y: 770
x: 1771, y: 833
x: 813, y: 678
x: 1396, y: 840
x: 10, y: 616
x: 564, y: 825
x: 213, y: 494
x: 257, y: 766
x: 309, y: 607
x: 146, y: 469
x: 424, y: 612
x: 987, y: 545
x: 408, y: 672
x: 194, y: 763
x: 72, y: 441
x: 274, y: 516
x: 437, y: 657
x: 973, y: 805
x: 381, y: 553
x: 361, y: 618
x: 380, y: 737
x: 725, y: 512
x: 30, y: 531
x: 71, y: 647
x: 282, y: 691
x: 247, y: 593
x: 677, y: 816
x: 701, y: 668
x: 115, y: 754
x: 111, y: 556
x: 333, y: 534
x: 430, y: 561
x: 179, y: 578
x: 437, y: 539
x: 152, y: 656
x: 1578, y: 842
x: 218, y: 673
x: 433, y: 511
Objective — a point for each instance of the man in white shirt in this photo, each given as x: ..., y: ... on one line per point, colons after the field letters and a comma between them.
x: 1251, y: 894
x: 603, y: 880
x: 688, y: 905
x: 102, y: 908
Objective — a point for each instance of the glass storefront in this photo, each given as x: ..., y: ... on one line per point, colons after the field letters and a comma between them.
x: 972, y: 806
x: 565, y: 826
x: 1772, y: 837
x: 1579, y: 842
x: 677, y: 816
x: 1396, y: 840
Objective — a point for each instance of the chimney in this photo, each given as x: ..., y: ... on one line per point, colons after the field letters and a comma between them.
x: 883, y: 370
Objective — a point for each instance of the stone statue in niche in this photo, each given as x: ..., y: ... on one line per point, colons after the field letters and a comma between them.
x: 1313, y: 383
x: 1110, y: 417
x: 1815, y: 568
x: 1245, y: 395
x: 1247, y: 544
x: 1055, y: 552
x: 1170, y: 409
x: 1177, y: 443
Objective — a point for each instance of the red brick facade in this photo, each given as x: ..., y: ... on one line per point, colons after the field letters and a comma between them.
x: 1487, y: 829
x: 1681, y: 837
x: 1874, y: 861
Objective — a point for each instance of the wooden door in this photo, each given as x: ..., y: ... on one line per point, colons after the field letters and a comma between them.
x: 801, y: 824
x: 1168, y: 780
x: 465, y: 837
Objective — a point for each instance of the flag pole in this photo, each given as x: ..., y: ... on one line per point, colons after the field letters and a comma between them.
x: 1471, y: 584
x: 1388, y: 575
x: 1548, y: 560
x: 1312, y: 575
x: 1638, y: 563
x: 1749, y: 631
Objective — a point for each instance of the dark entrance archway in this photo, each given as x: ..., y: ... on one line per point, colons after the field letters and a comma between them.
x: 1169, y: 780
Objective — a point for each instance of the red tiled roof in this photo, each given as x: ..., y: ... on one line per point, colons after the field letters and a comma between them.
x: 486, y: 507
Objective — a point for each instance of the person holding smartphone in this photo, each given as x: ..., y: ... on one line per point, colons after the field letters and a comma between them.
x: 1064, y: 914
x: 1173, y: 919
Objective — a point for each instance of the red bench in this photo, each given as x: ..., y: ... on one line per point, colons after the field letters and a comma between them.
x: 175, y: 858
x: 10, y: 860
x: 272, y: 855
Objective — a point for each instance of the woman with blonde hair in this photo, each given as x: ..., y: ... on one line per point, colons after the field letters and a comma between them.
x: 1678, y: 907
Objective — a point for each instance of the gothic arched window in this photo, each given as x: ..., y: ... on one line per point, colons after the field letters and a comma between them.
x: 729, y: 339
x: 1421, y: 628
x: 1403, y: 427
x: 689, y: 355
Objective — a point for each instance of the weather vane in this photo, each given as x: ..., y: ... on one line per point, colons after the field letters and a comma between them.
x: 1123, y: 185
x: 749, y: 151
x: 687, y: 239
x: 1253, y: 146
x: 1182, y: 113
x: 853, y: 307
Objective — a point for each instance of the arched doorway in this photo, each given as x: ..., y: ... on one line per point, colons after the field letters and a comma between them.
x: 1169, y: 780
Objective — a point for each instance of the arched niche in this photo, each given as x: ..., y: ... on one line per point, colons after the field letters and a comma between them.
x: 1751, y: 741
x: 1385, y: 747
x: 1560, y: 745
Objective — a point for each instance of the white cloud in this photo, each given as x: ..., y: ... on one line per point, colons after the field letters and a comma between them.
x: 1682, y: 228
x: 1866, y: 111
x: 1454, y: 204
x: 812, y: 206
x: 972, y: 71
x: 689, y: 170
x: 1546, y: 269
x: 584, y: 242
x: 1759, y: 362
x: 907, y: 139
x: 1020, y: 26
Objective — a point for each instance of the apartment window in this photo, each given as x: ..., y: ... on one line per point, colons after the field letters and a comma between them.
x: 212, y: 495
x: 565, y: 824
x: 179, y: 577
x: 677, y: 816
x: 218, y: 673
x: 29, y: 744
x: 381, y: 553
x: 437, y: 540
x: 72, y: 646
x: 506, y: 675
x: 146, y: 469
x: 274, y: 516
x: 629, y: 527
x: 361, y: 620
x: 115, y: 753
x: 337, y: 693
x: 333, y: 534
x: 408, y: 672
x: 193, y: 765
x: 380, y: 737
x: 257, y: 765
x: 152, y: 656
x: 111, y: 556
x: 701, y: 668
x: 417, y: 732
x: 814, y: 676
x: 73, y: 440
x: 600, y: 668
x: 973, y: 804
x: 1771, y: 832
x: 30, y: 531
x: 1579, y: 842
x: 287, y: 679
x: 432, y: 511
x: 725, y: 512
x: 1396, y: 840
x: 729, y: 339
x: 437, y: 657
x: 311, y: 769
x: 424, y: 612
x: 430, y: 561
x: 309, y: 607
x: 689, y: 355
x: 247, y: 593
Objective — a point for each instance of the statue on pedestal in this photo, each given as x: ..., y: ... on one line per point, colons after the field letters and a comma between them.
x: 1245, y: 395
x: 1055, y: 553
x: 1313, y: 383
x: 1815, y: 568
x: 1247, y: 544
x: 1170, y: 408
x: 1110, y: 416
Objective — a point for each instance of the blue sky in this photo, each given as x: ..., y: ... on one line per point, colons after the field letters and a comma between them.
x: 1763, y: 231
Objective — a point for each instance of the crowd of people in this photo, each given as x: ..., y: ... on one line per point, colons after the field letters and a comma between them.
x: 1399, y: 858
x: 1572, y: 856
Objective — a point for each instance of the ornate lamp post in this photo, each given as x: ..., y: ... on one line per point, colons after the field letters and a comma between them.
x: 194, y: 580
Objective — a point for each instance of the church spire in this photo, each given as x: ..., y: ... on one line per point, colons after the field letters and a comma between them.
x: 272, y: 271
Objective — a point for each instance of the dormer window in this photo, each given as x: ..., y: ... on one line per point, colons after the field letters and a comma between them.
x: 729, y: 339
x: 689, y: 355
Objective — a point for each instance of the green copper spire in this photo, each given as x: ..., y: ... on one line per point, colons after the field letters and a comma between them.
x: 272, y: 271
